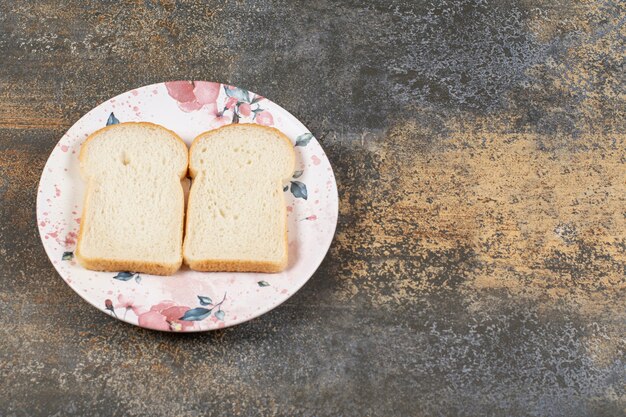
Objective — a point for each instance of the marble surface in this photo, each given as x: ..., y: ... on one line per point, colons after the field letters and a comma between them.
x: 479, y: 265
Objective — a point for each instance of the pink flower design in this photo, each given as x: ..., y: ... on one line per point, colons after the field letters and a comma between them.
x: 230, y: 103
x: 220, y: 121
x: 218, y: 118
x: 165, y: 316
x: 206, y: 92
x: 212, y: 109
x: 153, y: 320
x: 265, y: 118
x: 245, y: 110
x: 189, y: 106
x: 181, y: 91
x: 108, y: 304
x: 129, y: 304
x: 193, y: 95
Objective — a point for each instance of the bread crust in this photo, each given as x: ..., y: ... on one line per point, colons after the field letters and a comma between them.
x: 114, y: 265
x: 236, y: 265
x: 83, y: 146
x: 192, y: 174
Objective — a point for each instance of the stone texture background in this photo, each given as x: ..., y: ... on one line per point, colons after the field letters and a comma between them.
x: 479, y: 267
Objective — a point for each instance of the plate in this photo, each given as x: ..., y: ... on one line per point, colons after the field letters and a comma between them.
x: 206, y: 301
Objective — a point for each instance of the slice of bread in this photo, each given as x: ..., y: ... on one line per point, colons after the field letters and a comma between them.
x: 236, y: 215
x: 134, y: 206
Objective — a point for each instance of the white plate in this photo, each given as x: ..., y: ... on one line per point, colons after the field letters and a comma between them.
x: 209, y: 300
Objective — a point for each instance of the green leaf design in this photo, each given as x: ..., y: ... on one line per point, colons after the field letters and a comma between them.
x: 263, y: 284
x: 304, y: 139
x: 138, y: 279
x: 285, y: 188
x: 239, y: 93
x: 124, y: 276
x: 299, y: 190
x: 235, y: 117
x: 204, y: 301
x: 67, y: 256
x: 220, y: 315
x: 298, y: 174
x: 112, y: 120
x: 196, y: 314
